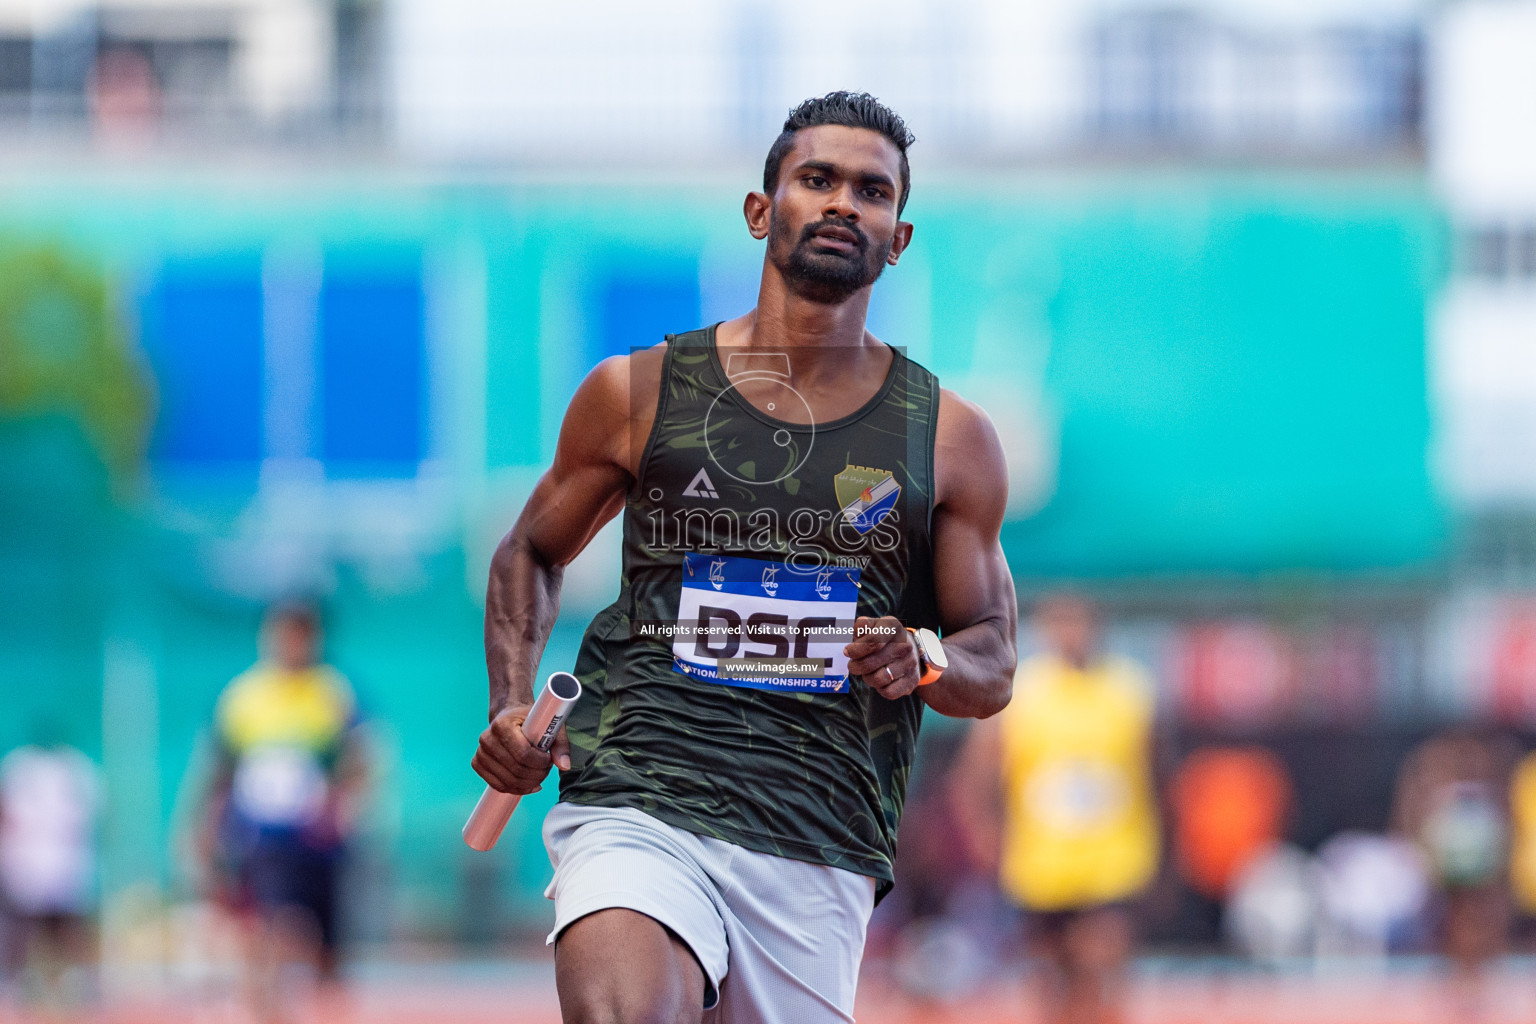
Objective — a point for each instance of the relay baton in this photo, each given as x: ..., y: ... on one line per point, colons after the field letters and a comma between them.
x: 543, y: 723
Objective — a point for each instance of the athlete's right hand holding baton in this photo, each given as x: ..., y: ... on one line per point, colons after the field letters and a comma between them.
x: 514, y: 763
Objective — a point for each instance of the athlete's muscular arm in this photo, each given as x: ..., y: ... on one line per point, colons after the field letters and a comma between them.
x: 584, y: 488
x: 978, y: 610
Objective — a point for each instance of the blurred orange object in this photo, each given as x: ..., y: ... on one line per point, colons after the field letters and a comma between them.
x: 1229, y: 804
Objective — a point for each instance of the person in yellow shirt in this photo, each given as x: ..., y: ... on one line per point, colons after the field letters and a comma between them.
x: 1522, y: 858
x: 283, y: 799
x: 1058, y: 798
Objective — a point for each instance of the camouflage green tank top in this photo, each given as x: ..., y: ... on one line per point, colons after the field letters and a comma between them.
x: 717, y: 697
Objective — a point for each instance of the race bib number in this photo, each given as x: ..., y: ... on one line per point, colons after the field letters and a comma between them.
x: 1077, y: 795
x: 765, y: 625
x: 279, y: 785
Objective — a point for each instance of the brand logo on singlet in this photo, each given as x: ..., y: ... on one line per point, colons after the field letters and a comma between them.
x: 866, y: 496
x: 701, y: 486
x: 763, y: 625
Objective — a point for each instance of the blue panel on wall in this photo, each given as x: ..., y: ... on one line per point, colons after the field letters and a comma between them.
x: 640, y: 306
x: 372, y: 373
x: 203, y: 333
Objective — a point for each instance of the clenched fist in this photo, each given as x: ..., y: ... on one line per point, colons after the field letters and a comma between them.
x: 508, y: 762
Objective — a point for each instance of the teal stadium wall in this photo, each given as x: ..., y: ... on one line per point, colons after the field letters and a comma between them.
x: 1195, y: 376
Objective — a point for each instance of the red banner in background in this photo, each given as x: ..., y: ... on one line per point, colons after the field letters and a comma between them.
x: 1514, y: 663
x: 1247, y: 672
x: 1345, y: 668
x: 1237, y: 673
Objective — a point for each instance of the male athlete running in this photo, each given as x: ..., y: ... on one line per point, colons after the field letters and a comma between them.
x: 803, y: 508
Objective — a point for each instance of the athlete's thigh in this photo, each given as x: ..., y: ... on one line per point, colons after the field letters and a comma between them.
x: 796, y: 932
x: 619, y: 966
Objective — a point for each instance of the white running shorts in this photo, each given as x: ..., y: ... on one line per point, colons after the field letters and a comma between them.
x: 780, y: 940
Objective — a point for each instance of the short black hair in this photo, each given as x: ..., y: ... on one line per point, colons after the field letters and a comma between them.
x: 851, y: 110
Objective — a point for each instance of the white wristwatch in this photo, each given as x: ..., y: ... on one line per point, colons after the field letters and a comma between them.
x: 931, y: 660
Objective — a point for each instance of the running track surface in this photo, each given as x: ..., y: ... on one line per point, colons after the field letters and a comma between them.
x: 412, y: 994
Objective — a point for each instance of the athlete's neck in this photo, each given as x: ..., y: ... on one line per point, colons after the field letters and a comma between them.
x: 827, y: 340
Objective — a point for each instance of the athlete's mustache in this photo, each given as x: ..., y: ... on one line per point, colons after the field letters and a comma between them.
x: 860, y: 239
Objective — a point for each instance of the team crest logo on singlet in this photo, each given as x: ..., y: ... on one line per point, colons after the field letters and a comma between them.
x: 866, y: 496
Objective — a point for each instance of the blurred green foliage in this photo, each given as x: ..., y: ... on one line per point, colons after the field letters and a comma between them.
x: 64, y: 349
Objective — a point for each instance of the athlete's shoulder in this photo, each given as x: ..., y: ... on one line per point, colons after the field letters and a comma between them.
x: 611, y: 411
x: 914, y: 369
x: 964, y: 421
x: 612, y: 381
x: 969, y: 465
x: 696, y: 338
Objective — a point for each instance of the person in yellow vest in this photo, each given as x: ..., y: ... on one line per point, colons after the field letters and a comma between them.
x: 1058, y: 798
x: 1522, y: 860
x: 283, y: 800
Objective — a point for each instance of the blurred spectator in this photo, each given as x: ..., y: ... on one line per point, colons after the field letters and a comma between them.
x: 125, y: 96
x: 1057, y: 796
x: 1229, y: 805
x: 1274, y: 906
x: 1522, y: 853
x: 943, y: 928
x: 283, y: 800
x: 1375, y: 893
x: 49, y: 798
x: 1453, y: 801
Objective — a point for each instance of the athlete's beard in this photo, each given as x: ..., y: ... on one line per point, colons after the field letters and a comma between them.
x: 821, y: 276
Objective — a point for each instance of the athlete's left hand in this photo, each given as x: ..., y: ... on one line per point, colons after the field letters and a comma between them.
x: 883, y: 654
